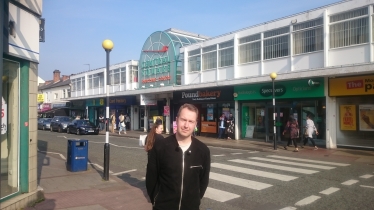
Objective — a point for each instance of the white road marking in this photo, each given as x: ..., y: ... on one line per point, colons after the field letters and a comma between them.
x: 62, y: 136
x: 307, y: 200
x: 366, y: 176
x: 350, y: 182
x: 309, y: 161
x: 100, y: 167
x: 56, y: 153
x: 329, y: 191
x: 218, y: 155
x: 284, y: 168
x: 227, y: 148
x: 142, y: 148
x: 219, y: 195
x: 254, y: 172
x: 367, y: 186
x: 238, y: 181
x: 253, y: 152
x: 289, y: 208
x: 124, y: 172
x: 293, y: 163
x: 238, y: 153
x: 143, y: 178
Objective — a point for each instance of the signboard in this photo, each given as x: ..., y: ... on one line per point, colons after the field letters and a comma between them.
x: 348, y: 117
x: 204, y: 95
x: 249, y: 131
x: 40, y: 98
x: 46, y: 106
x: 166, y: 110
x: 42, y: 30
x: 366, y: 117
x: 349, y: 86
x: 56, y: 105
x: 209, y: 115
x: 95, y: 102
x: 288, y: 89
x: 4, y: 117
x: 148, y: 100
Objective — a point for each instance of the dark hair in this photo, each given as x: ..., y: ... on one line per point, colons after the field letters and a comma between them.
x: 152, y: 136
x: 290, y: 118
x: 189, y: 107
x: 309, y: 116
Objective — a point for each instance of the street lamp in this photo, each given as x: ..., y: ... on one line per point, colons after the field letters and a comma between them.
x: 108, y: 46
x: 273, y: 76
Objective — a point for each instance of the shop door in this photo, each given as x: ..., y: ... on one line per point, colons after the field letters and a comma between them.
x: 141, y: 117
x: 281, y: 116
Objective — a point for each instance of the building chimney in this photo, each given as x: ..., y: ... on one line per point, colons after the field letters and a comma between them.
x: 65, y: 77
x: 56, y: 75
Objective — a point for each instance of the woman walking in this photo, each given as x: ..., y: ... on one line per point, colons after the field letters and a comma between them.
x: 310, y: 128
x: 154, y: 135
x: 293, y: 128
x: 231, y: 127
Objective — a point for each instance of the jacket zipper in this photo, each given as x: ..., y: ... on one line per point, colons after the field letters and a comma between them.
x: 180, y: 200
x: 154, y: 203
x: 199, y: 166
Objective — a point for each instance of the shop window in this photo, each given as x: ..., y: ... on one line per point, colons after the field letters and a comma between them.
x: 9, y: 145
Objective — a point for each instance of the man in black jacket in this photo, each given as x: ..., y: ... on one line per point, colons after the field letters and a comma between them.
x: 178, y: 167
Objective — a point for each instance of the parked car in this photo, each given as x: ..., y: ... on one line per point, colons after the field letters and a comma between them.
x: 60, y: 123
x: 82, y: 127
x: 44, y: 123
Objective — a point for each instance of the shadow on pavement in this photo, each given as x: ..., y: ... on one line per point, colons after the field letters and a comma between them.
x: 140, y: 184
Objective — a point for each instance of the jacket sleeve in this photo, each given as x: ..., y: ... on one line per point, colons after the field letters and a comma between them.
x: 152, y: 174
x: 204, y: 177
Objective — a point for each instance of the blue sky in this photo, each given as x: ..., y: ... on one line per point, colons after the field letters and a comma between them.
x: 75, y: 29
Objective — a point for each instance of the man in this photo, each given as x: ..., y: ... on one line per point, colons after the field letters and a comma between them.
x: 101, y: 122
x: 113, y: 121
x: 121, y: 124
x: 178, y: 167
x: 127, y: 122
x: 222, y: 126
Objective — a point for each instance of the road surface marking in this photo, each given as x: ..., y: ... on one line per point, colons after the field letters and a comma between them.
x: 293, y: 163
x: 124, y: 172
x: 238, y: 153
x: 143, y: 178
x: 289, y: 208
x: 307, y: 160
x: 253, y: 152
x: 117, y: 145
x: 254, y: 172
x: 350, y: 182
x: 219, y: 195
x: 238, y: 181
x: 307, y: 200
x: 227, y: 148
x: 367, y: 186
x: 218, y: 155
x: 329, y: 191
x: 100, y: 167
x: 63, y: 137
x: 61, y: 155
x: 284, y: 168
x: 366, y: 176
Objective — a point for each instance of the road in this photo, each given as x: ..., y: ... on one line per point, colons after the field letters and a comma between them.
x: 244, y: 179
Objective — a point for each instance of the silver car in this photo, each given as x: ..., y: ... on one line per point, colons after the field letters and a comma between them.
x: 44, y: 123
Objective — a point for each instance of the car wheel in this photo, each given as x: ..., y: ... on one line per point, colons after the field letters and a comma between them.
x: 43, y: 128
x: 67, y: 130
x: 78, y: 132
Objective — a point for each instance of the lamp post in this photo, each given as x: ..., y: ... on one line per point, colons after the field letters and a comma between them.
x: 273, y: 76
x: 108, y: 46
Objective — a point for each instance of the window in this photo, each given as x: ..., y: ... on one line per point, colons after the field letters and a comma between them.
x: 349, y: 33
x: 349, y: 15
x: 276, y: 47
x: 276, y: 32
x: 63, y: 93
x: 250, y: 38
x: 69, y: 93
x: 56, y: 96
x: 114, y: 76
x: 101, y: 79
x: 226, y: 53
x: 89, y: 81
x: 123, y: 75
x: 250, y: 48
x: 194, y: 60
x: 133, y: 73
x: 79, y: 84
x: 210, y: 57
x: 73, y: 85
x: 180, y: 68
x: 310, y: 38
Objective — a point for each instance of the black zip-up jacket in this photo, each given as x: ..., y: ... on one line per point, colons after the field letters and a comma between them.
x: 177, y: 180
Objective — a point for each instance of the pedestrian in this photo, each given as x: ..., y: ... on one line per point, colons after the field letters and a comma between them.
x: 310, y: 128
x: 153, y: 135
x: 231, y: 127
x: 178, y: 167
x: 101, y: 122
x: 292, y: 127
x: 222, y: 126
x: 127, y: 122
x: 121, y: 124
x: 113, y: 121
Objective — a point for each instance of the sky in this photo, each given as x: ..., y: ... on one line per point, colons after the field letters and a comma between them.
x: 75, y: 29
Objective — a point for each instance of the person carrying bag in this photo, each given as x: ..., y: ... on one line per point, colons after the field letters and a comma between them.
x: 309, y: 130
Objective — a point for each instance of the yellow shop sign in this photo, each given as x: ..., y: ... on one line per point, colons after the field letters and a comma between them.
x: 40, y: 98
x: 349, y: 86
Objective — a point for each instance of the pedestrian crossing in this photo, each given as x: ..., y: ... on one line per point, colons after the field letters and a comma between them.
x: 258, y: 167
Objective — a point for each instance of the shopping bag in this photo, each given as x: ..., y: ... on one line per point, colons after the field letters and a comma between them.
x: 142, y: 140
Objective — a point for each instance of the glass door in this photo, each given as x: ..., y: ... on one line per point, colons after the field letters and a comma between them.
x: 141, y: 117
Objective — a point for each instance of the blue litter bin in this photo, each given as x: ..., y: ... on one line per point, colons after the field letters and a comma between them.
x: 77, y: 155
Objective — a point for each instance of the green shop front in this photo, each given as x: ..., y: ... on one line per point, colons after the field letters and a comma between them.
x: 298, y: 98
x: 95, y: 107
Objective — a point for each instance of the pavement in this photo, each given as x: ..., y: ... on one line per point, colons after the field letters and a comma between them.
x: 83, y: 190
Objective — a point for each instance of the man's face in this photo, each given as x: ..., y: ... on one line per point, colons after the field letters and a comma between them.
x: 186, y: 122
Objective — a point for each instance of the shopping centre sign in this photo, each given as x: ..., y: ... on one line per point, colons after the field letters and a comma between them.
x: 348, y: 86
x: 156, y: 66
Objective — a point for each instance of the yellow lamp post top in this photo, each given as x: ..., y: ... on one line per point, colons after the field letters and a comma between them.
x: 273, y: 75
x: 107, y: 44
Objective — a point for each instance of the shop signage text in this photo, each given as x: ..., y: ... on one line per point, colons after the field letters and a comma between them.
x: 361, y: 85
x: 155, y: 79
x: 156, y: 66
x: 202, y: 95
x: 40, y: 98
x: 267, y: 90
x: 207, y: 95
x: 117, y: 101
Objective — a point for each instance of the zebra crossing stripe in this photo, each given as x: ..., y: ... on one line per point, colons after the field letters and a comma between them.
x: 238, y: 153
x: 366, y: 176
x: 218, y: 155
x: 289, y: 208
x: 284, y: 168
x: 293, y: 163
x: 307, y: 200
x: 350, y: 182
x: 329, y: 191
x: 219, y: 195
x: 238, y: 181
x: 309, y: 161
x: 254, y: 172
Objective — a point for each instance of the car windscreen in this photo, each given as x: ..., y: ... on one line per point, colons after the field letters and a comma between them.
x: 65, y: 119
x: 85, y: 123
x: 47, y: 120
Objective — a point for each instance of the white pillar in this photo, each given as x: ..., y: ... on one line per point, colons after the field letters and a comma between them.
x: 167, y: 127
x: 236, y: 52
x: 371, y: 32
x: 262, y: 55
x: 291, y: 48
x: 185, y: 67
x: 127, y: 82
x: 237, y: 120
x: 217, y: 60
x: 201, y: 65
x: 85, y: 84
x: 331, y: 119
x: 326, y: 42
x: 145, y: 119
